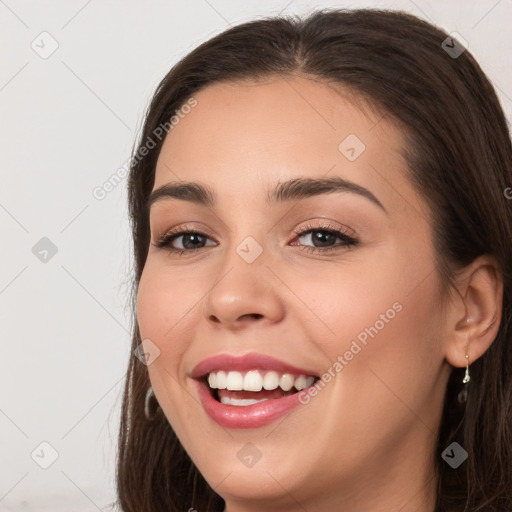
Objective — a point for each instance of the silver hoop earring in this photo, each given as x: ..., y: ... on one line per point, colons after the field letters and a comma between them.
x: 149, y: 394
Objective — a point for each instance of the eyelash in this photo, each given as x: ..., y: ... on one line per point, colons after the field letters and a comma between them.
x: 347, y: 240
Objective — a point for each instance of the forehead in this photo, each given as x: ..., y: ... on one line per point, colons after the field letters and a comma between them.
x: 246, y: 136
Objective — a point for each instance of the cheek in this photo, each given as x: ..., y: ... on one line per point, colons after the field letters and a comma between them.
x: 392, y: 356
x: 165, y: 302
x: 163, y: 309
x: 387, y: 301
x: 169, y: 313
x: 378, y: 327
x: 341, y: 303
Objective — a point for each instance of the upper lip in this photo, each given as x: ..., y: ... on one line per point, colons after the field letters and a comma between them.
x: 253, y: 361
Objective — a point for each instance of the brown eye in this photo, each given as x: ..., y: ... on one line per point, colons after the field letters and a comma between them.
x: 322, y: 239
x: 183, y: 241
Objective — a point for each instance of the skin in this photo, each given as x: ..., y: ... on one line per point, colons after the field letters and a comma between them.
x: 366, y: 442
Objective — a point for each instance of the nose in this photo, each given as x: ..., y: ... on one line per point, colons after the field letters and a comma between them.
x: 246, y: 294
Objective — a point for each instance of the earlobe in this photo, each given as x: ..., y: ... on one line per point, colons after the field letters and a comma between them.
x: 476, y: 315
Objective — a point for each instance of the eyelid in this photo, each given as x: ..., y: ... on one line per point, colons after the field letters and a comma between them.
x: 187, y: 228
x: 325, y: 224
x: 346, y: 234
x: 164, y: 241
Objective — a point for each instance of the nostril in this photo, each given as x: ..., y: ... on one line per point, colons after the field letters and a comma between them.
x: 256, y: 316
x: 248, y: 316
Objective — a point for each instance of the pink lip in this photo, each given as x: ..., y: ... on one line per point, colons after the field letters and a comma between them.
x: 246, y: 362
x: 249, y: 416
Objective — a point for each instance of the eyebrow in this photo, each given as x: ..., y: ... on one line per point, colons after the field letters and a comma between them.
x: 291, y: 190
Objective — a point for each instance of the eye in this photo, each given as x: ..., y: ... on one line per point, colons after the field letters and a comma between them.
x: 324, y: 238
x: 182, y: 240
x: 313, y: 239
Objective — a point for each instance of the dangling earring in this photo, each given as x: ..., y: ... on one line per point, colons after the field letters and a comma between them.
x: 462, y: 397
x: 466, y: 378
x: 149, y: 395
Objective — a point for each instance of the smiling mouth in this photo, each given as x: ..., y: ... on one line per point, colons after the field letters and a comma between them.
x: 247, y: 388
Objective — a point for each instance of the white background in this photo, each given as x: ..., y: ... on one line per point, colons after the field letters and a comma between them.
x: 68, y: 123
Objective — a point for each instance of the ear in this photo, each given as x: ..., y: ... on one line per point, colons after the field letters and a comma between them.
x: 474, y: 314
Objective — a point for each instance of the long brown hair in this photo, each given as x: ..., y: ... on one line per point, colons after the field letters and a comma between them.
x: 459, y: 158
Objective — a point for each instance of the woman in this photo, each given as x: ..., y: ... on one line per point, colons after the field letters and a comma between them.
x: 322, y: 275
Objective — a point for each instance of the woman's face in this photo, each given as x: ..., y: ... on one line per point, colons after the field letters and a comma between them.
x: 333, y: 280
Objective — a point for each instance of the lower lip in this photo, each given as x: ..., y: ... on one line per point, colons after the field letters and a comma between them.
x: 245, y: 416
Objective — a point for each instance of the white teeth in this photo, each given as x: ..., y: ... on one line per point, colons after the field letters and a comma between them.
x: 271, y: 380
x: 221, y: 380
x: 287, y: 381
x: 301, y: 382
x: 241, y: 402
x: 254, y: 380
x: 234, y: 381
